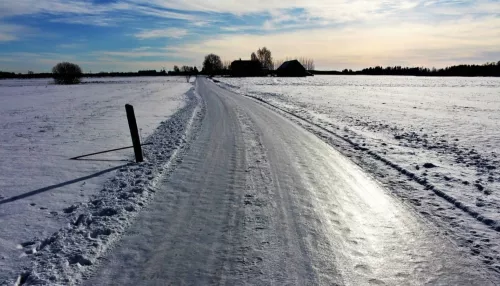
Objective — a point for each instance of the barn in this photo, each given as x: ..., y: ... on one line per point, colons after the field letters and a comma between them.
x: 246, y: 68
x: 292, y: 69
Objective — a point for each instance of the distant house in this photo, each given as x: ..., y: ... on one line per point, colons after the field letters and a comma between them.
x: 292, y: 69
x: 241, y: 68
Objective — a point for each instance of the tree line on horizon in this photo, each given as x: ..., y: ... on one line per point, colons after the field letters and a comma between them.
x: 489, y: 69
x: 6, y: 75
x: 213, y: 65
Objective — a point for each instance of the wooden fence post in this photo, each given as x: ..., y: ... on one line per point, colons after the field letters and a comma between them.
x: 134, y: 132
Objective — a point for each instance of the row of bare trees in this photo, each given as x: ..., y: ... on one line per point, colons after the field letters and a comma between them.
x: 186, y: 71
x: 308, y: 63
x: 226, y: 65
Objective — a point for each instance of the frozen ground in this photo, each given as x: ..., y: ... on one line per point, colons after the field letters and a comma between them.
x: 43, y: 125
x: 433, y: 141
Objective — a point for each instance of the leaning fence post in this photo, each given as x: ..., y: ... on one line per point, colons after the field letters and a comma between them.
x: 134, y: 132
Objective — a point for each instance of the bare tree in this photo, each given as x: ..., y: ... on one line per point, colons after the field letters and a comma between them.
x: 308, y: 63
x: 66, y: 73
x: 265, y: 58
x: 253, y: 57
x: 227, y: 65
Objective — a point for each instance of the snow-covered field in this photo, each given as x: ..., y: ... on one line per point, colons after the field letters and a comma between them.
x: 43, y: 125
x: 434, y: 142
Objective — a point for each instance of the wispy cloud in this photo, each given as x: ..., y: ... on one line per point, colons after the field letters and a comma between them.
x: 203, y: 23
x: 162, y: 33
x: 336, y: 33
x: 10, y: 32
x: 26, y: 7
x: 136, y: 53
x: 142, y: 49
x: 201, y: 11
x: 90, y: 20
x: 132, y: 54
x: 334, y: 10
x: 240, y: 28
x: 88, y: 12
x: 409, y: 43
x: 69, y: 46
x: 162, y: 13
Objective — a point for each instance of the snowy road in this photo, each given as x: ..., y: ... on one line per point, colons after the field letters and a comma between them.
x: 260, y: 200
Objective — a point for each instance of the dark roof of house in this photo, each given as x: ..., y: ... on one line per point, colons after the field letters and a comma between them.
x: 245, y: 62
x: 293, y: 64
x: 246, y: 68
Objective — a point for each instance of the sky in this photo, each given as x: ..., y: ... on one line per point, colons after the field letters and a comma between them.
x: 131, y: 35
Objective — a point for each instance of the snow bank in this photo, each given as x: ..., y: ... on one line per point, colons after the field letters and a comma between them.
x: 433, y: 141
x: 44, y: 125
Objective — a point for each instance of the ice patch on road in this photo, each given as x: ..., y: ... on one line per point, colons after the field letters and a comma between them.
x: 258, y: 208
x: 448, y: 182
x: 92, y: 227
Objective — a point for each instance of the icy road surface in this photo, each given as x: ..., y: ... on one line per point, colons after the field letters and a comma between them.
x: 260, y: 200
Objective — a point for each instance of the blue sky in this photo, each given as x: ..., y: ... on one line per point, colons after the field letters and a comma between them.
x: 103, y: 35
